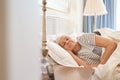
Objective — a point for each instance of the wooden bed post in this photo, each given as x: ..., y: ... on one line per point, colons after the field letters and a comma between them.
x: 44, y: 41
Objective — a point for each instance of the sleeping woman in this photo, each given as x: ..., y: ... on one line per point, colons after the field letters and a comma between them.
x: 87, y: 49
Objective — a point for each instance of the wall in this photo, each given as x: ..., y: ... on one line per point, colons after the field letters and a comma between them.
x: 23, y: 40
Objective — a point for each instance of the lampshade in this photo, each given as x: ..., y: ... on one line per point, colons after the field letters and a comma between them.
x: 94, y: 7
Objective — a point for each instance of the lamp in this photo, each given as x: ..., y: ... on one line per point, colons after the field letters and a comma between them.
x: 94, y: 8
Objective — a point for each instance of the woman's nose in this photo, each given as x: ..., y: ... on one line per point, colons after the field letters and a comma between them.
x: 67, y: 41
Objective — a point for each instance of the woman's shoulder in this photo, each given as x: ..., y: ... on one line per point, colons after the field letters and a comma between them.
x: 84, y: 35
x: 87, y: 38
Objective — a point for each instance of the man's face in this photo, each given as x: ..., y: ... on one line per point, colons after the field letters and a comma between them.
x: 66, y: 42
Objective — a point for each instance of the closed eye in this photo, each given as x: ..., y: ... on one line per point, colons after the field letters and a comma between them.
x: 64, y: 43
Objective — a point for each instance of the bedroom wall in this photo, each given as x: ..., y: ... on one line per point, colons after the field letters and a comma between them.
x: 23, y: 40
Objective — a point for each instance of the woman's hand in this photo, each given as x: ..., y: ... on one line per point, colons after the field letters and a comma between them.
x: 94, y: 65
x: 90, y: 66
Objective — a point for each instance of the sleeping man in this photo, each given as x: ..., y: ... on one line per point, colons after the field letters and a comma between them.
x: 86, y: 49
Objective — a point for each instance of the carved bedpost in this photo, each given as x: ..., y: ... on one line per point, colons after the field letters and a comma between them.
x: 44, y: 41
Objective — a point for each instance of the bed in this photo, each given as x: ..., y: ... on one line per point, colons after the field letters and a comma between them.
x: 103, y: 72
x: 65, y: 68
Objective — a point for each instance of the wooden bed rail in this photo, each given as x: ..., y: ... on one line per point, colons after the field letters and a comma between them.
x: 44, y: 42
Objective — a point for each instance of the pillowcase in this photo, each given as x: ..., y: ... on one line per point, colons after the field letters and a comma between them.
x: 60, y: 55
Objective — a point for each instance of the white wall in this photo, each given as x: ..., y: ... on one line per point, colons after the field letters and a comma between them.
x: 23, y: 40
x: 78, y: 18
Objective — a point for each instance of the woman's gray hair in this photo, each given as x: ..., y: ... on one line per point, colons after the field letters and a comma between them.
x: 58, y: 40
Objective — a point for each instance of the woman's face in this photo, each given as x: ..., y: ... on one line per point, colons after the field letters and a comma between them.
x: 66, y: 42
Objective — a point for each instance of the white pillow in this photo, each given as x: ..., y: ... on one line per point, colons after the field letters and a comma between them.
x: 60, y: 55
x: 104, y: 31
x: 115, y: 35
x: 110, y: 33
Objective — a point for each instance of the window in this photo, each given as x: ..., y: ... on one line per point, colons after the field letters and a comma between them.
x: 60, y: 5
